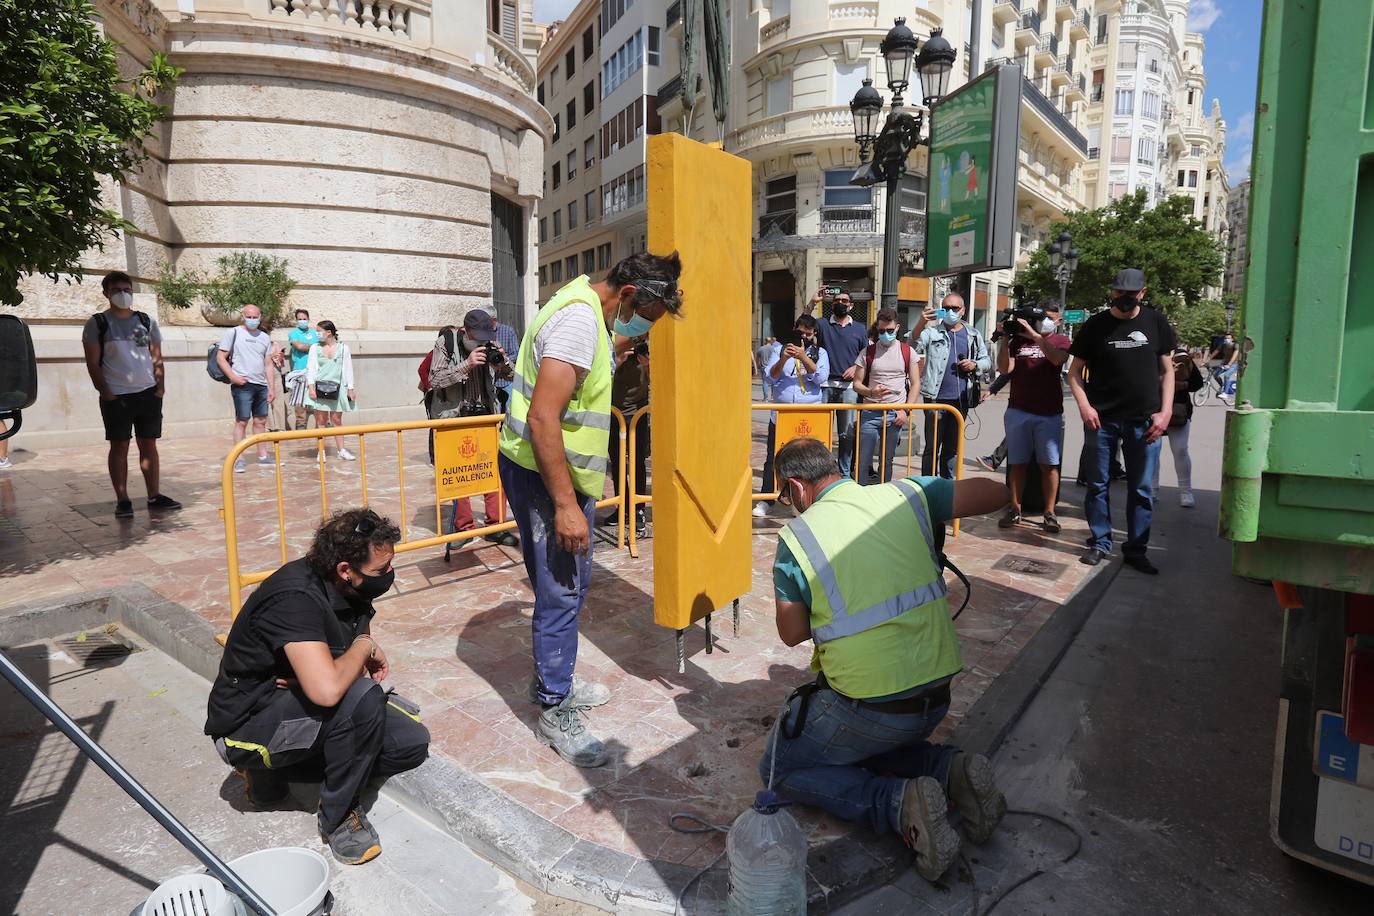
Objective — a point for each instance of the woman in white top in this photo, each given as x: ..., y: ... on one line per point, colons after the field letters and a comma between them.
x: 329, y: 381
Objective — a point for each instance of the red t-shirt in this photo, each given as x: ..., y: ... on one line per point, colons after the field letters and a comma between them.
x: 1035, y: 385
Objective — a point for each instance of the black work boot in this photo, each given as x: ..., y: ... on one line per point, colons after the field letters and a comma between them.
x: 354, y: 841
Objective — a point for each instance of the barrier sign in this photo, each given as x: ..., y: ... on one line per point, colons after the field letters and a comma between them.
x: 1076, y: 316
x: 464, y: 462
x: 799, y: 424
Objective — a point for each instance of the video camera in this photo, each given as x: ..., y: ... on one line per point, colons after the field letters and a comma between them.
x: 1030, y: 311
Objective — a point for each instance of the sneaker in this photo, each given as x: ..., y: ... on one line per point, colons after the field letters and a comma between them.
x: 240, y: 466
x: 124, y: 509
x: 1092, y: 556
x: 583, y: 694
x: 926, y: 829
x: 561, y: 728
x: 161, y: 503
x: 973, y: 792
x: 1052, y: 523
x: 1010, y: 519
x: 1185, y: 499
x: 263, y: 788
x: 503, y: 538
x: 987, y: 463
x: 1143, y: 564
x: 266, y: 459
x: 346, y: 455
x: 354, y: 841
x: 761, y: 509
x: 5, y: 464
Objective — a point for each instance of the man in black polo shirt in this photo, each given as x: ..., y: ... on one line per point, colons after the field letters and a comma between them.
x: 299, y: 686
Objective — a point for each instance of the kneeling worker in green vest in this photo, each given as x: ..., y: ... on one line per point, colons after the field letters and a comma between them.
x: 553, y: 465
x: 858, y: 572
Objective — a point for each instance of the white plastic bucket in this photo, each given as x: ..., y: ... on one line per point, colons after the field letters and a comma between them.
x: 191, y: 895
x: 291, y: 879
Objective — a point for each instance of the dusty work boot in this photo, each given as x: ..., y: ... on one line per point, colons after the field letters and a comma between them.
x: 354, y: 841
x: 973, y: 791
x: 582, y: 693
x: 263, y: 788
x: 926, y: 829
x: 561, y: 728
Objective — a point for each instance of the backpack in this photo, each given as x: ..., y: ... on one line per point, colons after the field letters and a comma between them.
x: 443, y: 371
x: 212, y: 359
x: 102, y: 329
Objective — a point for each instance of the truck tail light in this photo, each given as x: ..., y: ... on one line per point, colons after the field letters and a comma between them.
x: 1359, y: 669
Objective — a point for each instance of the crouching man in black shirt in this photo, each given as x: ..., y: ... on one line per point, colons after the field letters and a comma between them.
x: 299, y: 687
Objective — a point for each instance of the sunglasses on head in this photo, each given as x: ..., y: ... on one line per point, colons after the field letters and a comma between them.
x: 657, y: 289
x: 367, y: 524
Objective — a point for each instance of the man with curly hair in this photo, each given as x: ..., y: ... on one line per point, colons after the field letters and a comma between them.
x: 299, y: 691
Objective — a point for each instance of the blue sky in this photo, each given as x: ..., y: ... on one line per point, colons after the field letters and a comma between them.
x: 1232, y: 30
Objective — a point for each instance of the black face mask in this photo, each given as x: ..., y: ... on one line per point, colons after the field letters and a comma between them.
x: 840, y: 311
x: 373, y: 587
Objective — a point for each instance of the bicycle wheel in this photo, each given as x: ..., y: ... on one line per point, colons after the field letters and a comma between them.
x: 1200, y: 396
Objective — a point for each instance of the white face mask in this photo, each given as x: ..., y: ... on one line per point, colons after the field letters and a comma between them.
x: 122, y: 300
x: 1046, y: 325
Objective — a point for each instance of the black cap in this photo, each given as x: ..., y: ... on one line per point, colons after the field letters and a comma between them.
x: 1130, y: 280
x: 479, y: 325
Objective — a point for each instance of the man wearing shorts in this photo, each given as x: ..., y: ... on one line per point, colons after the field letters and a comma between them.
x: 124, y: 359
x: 1034, y: 421
x: 245, y: 358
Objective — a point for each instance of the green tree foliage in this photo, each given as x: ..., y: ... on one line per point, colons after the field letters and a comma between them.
x: 1179, y: 257
x: 248, y: 277
x: 67, y: 120
x: 1196, y: 324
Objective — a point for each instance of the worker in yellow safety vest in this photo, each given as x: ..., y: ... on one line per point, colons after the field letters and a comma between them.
x: 860, y: 573
x: 553, y: 465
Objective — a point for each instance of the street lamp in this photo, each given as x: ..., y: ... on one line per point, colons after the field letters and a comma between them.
x: 901, y: 132
x: 1063, y: 263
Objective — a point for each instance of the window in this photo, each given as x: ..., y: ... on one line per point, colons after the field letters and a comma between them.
x: 1180, y: 178
x: 1116, y: 189
x: 557, y: 223
x: 1190, y: 97
x: 572, y: 165
x: 780, y: 194
x: 553, y: 80
x: 1126, y: 57
x: 848, y: 79
x: 1121, y: 149
x: 588, y: 97
x: 653, y: 46
x: 544, y: 226
x: 572, y: 114
x: 589, y: 206
x: 543, y: 275
x: 840, y: 193
x: 778, y: 95
x: 1125, y: 101
x: 1145, y: 151
x: 621, y: 65
x: 557, y: 177
x: 570, y: 63
x: 1196, y: 150
x: 539, y: 94
x: 557, y: 129
x: 589, y: 152
x: 1102, y: 28
x: 603, y: 256
x: 1149, y: 104
x: 570, y: 266
x: 913, y: 203
x: 556, y: 272
x: 572, y: 215
x: 1153, y: 65
x: 1192, y: 178
x: 588, y: 43
x: 589, y: 261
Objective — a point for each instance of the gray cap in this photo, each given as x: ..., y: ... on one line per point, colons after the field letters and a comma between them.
x: 1130, y: 280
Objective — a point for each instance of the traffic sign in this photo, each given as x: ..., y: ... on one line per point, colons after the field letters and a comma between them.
x: 1076, y: 316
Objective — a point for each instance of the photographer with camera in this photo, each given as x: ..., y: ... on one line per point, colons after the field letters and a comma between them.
x: 463, y: 374
x: 843, y: 339
x: 952, y: 354
x: 795, y: 372
x: 1031, y: 354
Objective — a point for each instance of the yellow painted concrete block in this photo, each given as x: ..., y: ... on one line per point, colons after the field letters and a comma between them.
x: 700, y: 205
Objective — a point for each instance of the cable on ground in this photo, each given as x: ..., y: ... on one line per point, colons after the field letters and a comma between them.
x: 1077, y: 848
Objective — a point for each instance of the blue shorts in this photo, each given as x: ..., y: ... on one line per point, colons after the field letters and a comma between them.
x: 1031, y: 434
x: 250, y: 400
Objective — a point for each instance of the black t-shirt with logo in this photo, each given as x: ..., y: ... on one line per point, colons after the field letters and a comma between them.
x: 1122, y: 356
x: 292, y: 605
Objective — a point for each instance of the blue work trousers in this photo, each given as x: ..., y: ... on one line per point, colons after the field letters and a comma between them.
x: 559, y: 579
x: 854, y: 761
x: 1140, y: 458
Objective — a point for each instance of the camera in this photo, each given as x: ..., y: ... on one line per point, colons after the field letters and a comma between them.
x: 1029, y: 311
x: 494, y: 355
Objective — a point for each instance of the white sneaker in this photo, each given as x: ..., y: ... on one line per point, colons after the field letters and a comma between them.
x: 346, y: 455
x: 5, y: 464
x: 760, y: 510
x: 1185, y: 499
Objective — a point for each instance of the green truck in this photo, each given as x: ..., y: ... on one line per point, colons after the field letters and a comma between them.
x: 1298, y: 472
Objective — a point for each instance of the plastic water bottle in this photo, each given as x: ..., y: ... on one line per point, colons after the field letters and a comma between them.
x: 766, y: 850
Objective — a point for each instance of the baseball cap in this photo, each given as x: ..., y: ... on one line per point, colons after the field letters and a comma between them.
x: 1130, y: 280
x: 479, y: 325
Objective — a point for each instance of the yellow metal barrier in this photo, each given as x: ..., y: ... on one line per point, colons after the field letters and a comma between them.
x: 238, y: 579
x: 639, y: 499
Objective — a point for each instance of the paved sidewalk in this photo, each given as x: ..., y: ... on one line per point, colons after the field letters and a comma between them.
x: 458, y: 634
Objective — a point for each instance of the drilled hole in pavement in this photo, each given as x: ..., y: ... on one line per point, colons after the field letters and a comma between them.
x: 692, y: 771
x: 732, y: 742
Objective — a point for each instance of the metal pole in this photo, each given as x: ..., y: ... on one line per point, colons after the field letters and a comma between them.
x: 1063, y: 290
x: 58, y: 717
x: 974, y: 37
x: 892, y: 240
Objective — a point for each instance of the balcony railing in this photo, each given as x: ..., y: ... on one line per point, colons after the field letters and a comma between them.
x: 1031, y: 20
x: 376, y: 17
x: 511, y: 62
x: 669, y: 91
x: 1094, y: 152
x: 848, y: 220
x: 805, y: 125
x: 784, y: 221
x: 1049, y: 44
x: 1014, y: 4
x: 674, y: 14
x: 775, y: 28
x: 1054, y: 116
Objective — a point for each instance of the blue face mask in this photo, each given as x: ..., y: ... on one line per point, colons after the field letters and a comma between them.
x: 637, y: 326
x: 952, y: 318
x: 252, y: 323
x: 303, y: 325
x: 887, y: 337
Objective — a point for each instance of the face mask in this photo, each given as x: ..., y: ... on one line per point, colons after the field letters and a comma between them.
x: 252, y: 323
x: 373, y: 587
x: 840, y: 311
x: 1046, y: 325
x: 952, y: 318
x: 303, y: 325
x: 887, y: 337
x: 122, y: 300
x: 637, y: 326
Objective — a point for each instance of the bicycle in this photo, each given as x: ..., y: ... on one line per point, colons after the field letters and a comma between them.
x: 1212, y: 385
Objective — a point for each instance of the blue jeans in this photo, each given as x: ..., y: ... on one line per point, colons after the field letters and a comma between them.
x: 1226, y: 377
x: 250, y: 400
x: 870, y: 437
x: 559, y: 579
x: 844, y: 426
x: 853, y: 761
x: 948, y: 444
x: 1140, y: 459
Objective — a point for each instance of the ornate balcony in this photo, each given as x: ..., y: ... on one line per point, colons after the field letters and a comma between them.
x: 1004, y: 11
x: 1081, y: 27
x: 775, y: 29
x: 1047, y: 51
x: 848, y: 220
x: 1028, y: 30
x: 1062, y: 73
x: 1078, y: 89
x: 389, y: 18
x: 854, y: 12
x: 792, y: 128
x: 1065, y: 9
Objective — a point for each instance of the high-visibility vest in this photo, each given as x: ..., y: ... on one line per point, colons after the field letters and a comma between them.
x: 587, y: 418
x: 879, y: 618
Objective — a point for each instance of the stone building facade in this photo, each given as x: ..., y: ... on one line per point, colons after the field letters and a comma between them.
x: 389, y: 151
